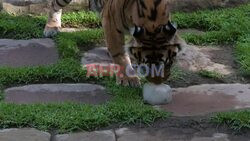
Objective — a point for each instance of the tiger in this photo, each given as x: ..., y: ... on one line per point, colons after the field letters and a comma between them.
x: 155, y: 41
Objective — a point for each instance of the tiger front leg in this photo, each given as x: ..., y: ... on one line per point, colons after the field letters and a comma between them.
x: 115, y: 42
x: 53, y: 25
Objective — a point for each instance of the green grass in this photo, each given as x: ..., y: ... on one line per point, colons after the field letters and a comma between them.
x: 177, y: 74
x: 242, y: 53
x: 211, y: 74
x: 235, y: 120
x: 21, y: 27
x: 221, y: 26
x: 81, y: 19
x: 28, y: 26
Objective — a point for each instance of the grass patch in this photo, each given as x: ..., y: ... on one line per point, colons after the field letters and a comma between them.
x: 235, y: 120
x: 81, y: 19
x: 28, y: 26
x: 21, y: 27
x: 221, y: 26
x: 242, y: 53
x: 210, y: 74
x: 177, y: 74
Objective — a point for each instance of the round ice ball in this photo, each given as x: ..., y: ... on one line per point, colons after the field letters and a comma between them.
x: 155, y: 94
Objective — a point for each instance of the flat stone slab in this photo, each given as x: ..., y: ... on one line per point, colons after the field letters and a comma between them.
x: 57, y: 93
x: 175, y: 134
x: 22, y: 53
x: 26, y: 134
x: 98, y: 55
x: 206, y: 99
x: 88, y: 136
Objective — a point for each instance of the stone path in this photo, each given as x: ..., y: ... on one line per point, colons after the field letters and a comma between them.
x: 57, y: 93
x: 209, y: 98
x: 23, y: 135
x: 123, y: 134
x: 35, y: 52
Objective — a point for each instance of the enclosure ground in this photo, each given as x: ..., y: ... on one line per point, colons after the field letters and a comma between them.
x: 217, y: 53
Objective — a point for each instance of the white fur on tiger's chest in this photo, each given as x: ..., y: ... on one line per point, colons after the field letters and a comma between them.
x: 157, y: 94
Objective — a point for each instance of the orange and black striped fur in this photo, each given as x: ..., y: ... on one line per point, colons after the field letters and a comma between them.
x: 148, y: 21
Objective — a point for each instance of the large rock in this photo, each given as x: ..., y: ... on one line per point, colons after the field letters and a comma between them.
x: 194, y: 58
x: 20, y: 53
x: 88, y: 136
x: 57, y: 93
x: 206, y: 99
x: 38, y: 6
x: 23, y: 135
x: 191, y: 58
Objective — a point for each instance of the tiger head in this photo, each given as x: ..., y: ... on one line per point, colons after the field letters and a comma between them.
x: 151, y: 23
x: 156, y: 63
x: 155, y: 42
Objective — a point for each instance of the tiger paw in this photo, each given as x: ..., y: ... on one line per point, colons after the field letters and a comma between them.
x: 132, y: 81
x: 51, y: 31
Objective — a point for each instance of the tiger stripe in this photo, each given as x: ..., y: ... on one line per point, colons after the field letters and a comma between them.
x: 148, y: 21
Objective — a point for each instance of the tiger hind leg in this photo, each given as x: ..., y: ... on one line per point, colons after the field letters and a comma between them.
x: 53, y: 25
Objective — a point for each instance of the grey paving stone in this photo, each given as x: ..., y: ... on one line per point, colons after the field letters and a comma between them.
x: 97, y: 55
x: 57, y: 93
x: 208, y: 98
x: 26, y: 134
x: 171, y: 134
x: 34, y: 52
x: 88, y: 136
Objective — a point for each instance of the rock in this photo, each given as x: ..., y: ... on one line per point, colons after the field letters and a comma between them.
x: 157, y: 94
x: 22, y: 53
x: 88, y: 136
x: 23, y: 135
x: 194, y: 58
x: 57, y: 93
x: 19, y: 7
x: 208, y: 98
x: 98, y: 55
x: 172, y: 134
